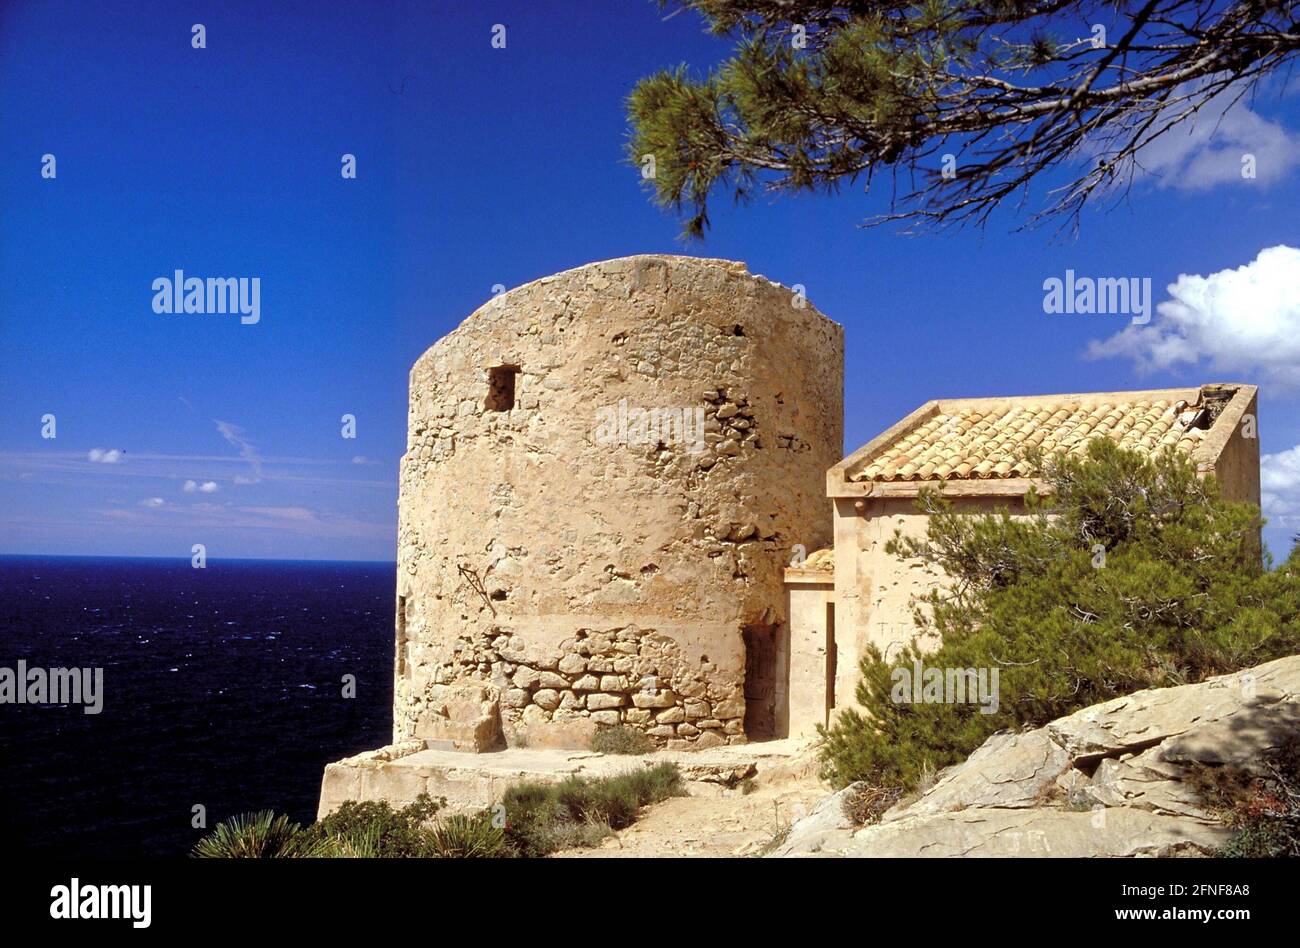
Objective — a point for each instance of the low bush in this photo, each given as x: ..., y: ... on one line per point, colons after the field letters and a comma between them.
x: 1261, y: 804
x: 580, y: 811
x: 375, y: 829
x: 622, y: 740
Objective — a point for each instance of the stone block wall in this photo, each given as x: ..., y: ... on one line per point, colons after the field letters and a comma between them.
x: 529, y: 537
x: 629, y: 677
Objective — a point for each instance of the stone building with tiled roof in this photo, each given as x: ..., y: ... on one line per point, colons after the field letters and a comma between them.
x: 978, y: 452
x: 559, y: 574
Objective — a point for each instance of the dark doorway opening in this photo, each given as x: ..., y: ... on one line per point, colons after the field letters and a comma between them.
x: 832, y: 659
x: 501, y: 388
x: 761, y: 680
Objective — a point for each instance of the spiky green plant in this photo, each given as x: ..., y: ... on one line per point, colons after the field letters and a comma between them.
x: 260, y: 835
x: 462, y: 836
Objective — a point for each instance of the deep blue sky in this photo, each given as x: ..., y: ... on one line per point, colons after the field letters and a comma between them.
x: 476, y: 166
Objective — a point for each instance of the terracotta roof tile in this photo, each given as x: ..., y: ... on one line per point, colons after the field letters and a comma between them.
x: 991, y: 441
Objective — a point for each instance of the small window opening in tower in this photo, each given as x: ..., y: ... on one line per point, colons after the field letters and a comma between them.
x: 501, y: 388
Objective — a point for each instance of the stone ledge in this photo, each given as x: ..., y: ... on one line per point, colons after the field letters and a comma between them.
x: 477, y: 781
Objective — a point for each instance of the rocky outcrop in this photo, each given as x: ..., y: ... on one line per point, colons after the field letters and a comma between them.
x: 1109, y: 780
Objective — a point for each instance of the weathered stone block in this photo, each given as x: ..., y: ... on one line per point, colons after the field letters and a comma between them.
x: 535, y: 715
x: 547, y: 698
x: 690, y: 689
x: 552, y: 680
x: 695, y: 708
x: 526, y: 677
x: 660, y: 699
x: 730, y: 708
x: 573, y: 664
x: 467, y: 715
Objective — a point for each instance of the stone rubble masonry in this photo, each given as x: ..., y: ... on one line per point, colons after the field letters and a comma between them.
x: 551, y: 582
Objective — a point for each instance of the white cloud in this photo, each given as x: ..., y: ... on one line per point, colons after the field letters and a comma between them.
x: 235, y: 435
x: 281, y: 513
x: 207, y: 487
x: 360, y: 459
x: 105, y: 455
x: 1279, y: 478
x: 1207, y: 149
x: 1245, y: 321
x: 267, y: 521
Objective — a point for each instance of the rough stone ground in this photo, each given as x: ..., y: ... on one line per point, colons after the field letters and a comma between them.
x: 1113, y: 779
x: 720, y: 823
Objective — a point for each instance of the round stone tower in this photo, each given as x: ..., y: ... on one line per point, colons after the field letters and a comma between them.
x: 606, y: 472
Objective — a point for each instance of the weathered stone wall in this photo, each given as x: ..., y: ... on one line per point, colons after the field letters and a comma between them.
x: 812, y: 654
x: 874, y: 589
x: 554, y: 577
x: 1234, y: 450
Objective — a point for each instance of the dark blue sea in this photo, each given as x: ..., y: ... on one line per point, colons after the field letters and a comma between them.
x: 223, y: 687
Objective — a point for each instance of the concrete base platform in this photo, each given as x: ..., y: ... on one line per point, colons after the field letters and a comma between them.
x: 399, y: 773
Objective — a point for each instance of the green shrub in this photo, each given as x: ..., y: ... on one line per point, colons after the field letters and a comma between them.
x: 261, y: 835
x: 375, y: 829
x: 580, y: 811
x: 531, y: 810
x: 613, y: 802
x: 1134, y: 574
x: 622, y: 740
